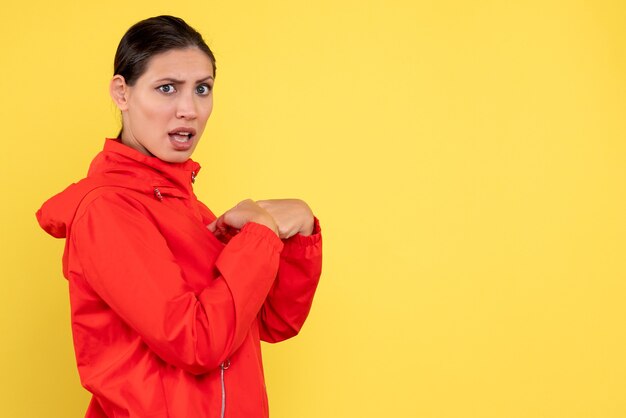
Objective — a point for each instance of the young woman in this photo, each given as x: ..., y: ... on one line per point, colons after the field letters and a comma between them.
x: 168, y: 302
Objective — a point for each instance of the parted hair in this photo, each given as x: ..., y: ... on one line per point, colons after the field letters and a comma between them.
x: 153, y: 36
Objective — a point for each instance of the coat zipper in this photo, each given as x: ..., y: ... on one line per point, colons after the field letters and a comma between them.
x: 224, y: 366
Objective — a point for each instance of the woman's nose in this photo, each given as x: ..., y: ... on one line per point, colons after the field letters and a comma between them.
x: 186, y: 107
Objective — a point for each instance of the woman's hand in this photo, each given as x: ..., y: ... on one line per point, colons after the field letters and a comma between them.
x: 229, y: 224
x: 292, y: 216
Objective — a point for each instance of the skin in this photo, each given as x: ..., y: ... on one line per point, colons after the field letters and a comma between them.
x: 292, y: 216
x: 176, y: 91
x: 155, y: 105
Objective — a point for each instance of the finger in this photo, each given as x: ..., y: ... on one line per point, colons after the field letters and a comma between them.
x: 212, y: 226
x: 287, y: 234
x: 243, y: 202
x: 220, y: 223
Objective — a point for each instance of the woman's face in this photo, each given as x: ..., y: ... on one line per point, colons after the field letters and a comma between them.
x: 165, y: 111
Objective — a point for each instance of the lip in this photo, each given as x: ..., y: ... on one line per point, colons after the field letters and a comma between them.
x: 182, y: 146
x: 192, y: 131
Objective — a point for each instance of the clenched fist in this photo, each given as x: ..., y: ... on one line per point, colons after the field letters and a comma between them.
x: 229, y: 224
x: 292, y: 216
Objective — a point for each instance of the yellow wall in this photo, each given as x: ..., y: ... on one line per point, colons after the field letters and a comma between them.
x: 466, y: 159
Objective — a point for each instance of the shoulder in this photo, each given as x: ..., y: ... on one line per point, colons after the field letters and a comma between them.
x: 108, y: 202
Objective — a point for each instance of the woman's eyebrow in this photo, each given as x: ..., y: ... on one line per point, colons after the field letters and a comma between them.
x: 176, y: 81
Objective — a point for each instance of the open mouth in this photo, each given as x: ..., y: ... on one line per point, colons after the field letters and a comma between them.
x: 182, y: 135
x: 182, y: 138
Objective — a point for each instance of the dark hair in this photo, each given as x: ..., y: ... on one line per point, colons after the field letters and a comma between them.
x: 154, y: 36
x: 150, y: 37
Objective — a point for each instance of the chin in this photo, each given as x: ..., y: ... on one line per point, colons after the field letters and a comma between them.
x: 178, y: 157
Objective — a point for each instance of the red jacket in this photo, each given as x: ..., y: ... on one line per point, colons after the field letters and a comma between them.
x: 167, y: 319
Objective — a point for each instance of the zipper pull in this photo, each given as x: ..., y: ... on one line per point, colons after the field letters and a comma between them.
x: 193, y: 177
x: 224, y: 366
x: 157, y: 194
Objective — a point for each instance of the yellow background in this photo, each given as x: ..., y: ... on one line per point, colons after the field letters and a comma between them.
x: 466, y: 159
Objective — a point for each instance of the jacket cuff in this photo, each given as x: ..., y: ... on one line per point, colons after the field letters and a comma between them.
x: 254, y: 228
x: 298, y: 242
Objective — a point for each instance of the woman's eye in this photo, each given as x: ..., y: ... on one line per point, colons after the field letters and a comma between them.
x: 203, y: 89
x: 166, y: 88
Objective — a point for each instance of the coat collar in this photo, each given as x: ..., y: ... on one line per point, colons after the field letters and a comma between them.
x: 130, y: 165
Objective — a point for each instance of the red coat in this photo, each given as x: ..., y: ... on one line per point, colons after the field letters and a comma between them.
x: 159, y: 305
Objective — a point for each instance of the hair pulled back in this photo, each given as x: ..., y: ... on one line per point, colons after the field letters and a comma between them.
x: 153, y: 36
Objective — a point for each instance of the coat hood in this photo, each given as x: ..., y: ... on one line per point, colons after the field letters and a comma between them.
x: 117, y: 165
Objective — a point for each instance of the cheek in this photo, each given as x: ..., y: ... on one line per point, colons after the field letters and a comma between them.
x: 207, y: 109
x: 154, y: 111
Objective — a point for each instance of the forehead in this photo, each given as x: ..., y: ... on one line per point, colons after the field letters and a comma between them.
x: 180, y: 64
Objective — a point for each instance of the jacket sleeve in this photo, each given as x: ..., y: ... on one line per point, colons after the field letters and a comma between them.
x: 289, y: 300
x: 127, y: 262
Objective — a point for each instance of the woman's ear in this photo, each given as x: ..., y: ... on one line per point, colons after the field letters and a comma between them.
x: 118, y: 89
